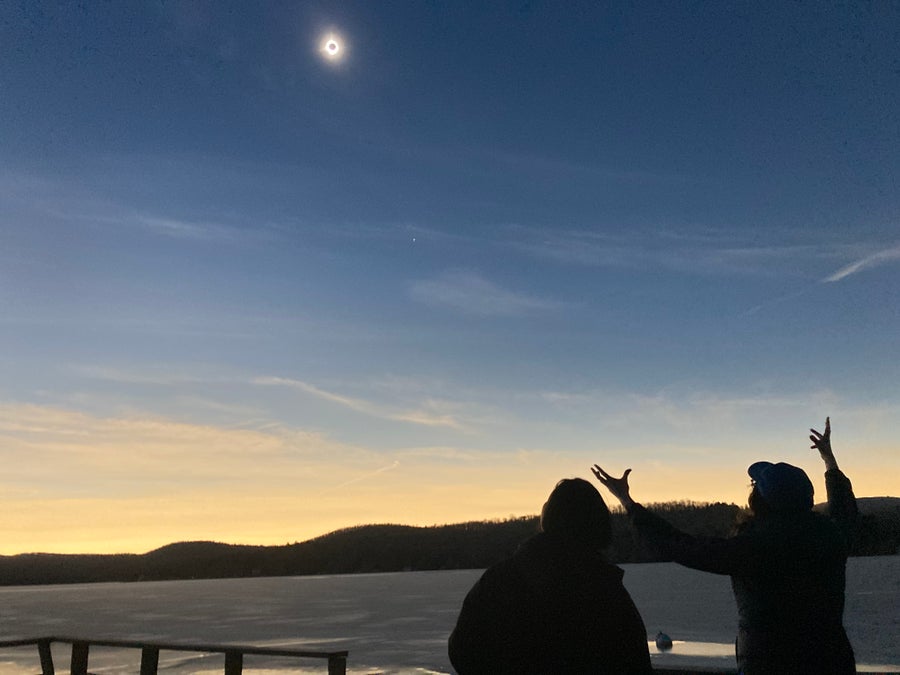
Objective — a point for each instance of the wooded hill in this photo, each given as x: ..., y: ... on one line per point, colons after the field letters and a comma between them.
x: 390, y: 548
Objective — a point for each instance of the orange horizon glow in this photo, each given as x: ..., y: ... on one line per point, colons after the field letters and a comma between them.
x: 130, y: 485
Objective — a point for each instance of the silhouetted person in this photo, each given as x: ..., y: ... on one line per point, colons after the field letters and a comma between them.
x: 555, y: 607
x: 786, y: 562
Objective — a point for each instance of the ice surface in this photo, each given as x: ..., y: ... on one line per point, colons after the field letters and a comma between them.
x: 390, y: 623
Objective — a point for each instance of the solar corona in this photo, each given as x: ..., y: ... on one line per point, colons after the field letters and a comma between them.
x: 332, y: 48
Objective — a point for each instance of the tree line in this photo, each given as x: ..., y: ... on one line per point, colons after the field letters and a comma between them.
x: 393, y: 548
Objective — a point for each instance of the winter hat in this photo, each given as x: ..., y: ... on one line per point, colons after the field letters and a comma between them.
x: 784, y: 487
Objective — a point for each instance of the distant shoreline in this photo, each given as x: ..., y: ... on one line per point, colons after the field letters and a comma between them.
x: 396, y: 548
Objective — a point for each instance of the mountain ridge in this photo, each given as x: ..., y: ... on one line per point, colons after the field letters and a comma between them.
x: 393, y: 547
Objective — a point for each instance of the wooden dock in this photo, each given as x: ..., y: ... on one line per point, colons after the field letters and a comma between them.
x: 234, y: 654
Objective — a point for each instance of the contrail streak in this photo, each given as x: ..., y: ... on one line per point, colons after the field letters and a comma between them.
x: 874, y: 260
x: 365, y: 476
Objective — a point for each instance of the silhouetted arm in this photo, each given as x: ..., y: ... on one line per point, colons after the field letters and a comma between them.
x: 841, y: 501
x: 714, y: 554
x: 718, y: 555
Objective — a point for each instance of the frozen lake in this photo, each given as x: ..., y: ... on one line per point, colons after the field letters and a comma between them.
x: 392, y: 623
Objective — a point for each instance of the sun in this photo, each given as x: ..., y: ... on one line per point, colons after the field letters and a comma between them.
x: 332, y: 47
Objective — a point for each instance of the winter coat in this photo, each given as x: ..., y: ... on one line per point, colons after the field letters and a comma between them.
x: 788, y: 575
x: 556, y: 607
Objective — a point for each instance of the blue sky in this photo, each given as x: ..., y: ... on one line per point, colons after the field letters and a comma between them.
x: 253, y: 294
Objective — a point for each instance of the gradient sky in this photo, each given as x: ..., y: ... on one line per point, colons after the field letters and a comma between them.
x: 252, y: 295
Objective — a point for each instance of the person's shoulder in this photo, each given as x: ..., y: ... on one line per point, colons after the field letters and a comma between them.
x: 509, y: 569
x: 812, y: 529
x: 607, y: 571
x: 496, y: 582
x: 498, y: 570
x: 774, y: 529
x: 824, y: 524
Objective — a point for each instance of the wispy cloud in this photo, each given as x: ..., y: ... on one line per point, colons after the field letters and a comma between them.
x: 448, y: 454
x: 684, y: 250
x: 470, y: 293
x: 146, y: 376
x: 143, y: 448
x: 427, y: 418
x: 413, y: 401
x: 874, y: 260
x: 635, y: 415
x: 68, y: 201
x: 786, y: 297
x: 425, y: 415
x: 542, y: 168
x: 185, y: 229
x: 359, y: 405
x: 358, y: 479
x: 705, y: 252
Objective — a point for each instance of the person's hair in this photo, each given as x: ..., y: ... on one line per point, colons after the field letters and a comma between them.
x: 758, y: 509
x: 576, y: 510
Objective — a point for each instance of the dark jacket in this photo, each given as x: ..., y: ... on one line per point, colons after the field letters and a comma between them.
x: 555, y: 607
x: 787, y: 573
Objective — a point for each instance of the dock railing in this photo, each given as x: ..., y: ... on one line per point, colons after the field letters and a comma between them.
x: 234, y: 654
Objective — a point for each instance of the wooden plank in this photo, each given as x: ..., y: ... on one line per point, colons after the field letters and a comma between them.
x: 46, y: 657
x: 80, y: 652
x: 149, y: 661
x: 200, y: 647
x: 234, y: 662
x: 337, y: 665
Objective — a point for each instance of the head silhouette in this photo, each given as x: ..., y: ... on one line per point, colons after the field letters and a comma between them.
x: 575, y: 510
x: 780, y: 488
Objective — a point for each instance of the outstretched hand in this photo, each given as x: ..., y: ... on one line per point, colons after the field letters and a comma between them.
x: 822, y: 443
x: 617, y: 486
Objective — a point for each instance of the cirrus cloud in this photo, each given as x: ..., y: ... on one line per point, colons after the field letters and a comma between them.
x: 470, y: 293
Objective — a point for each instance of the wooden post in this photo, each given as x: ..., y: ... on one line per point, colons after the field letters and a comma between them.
x: 80, y: 658
x: 149, y: 661
x: 46, y: 658
x: 234, y: 662
x: 337, y: 665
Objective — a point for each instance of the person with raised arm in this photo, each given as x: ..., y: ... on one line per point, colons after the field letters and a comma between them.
x: 786, y: 561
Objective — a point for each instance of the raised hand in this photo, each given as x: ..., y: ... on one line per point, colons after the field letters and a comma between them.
x: 618, y: 487
x: 822, y: 443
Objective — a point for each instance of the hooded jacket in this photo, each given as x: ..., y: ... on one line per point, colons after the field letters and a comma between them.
x: 788, y: 575
x: 555, y: 607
